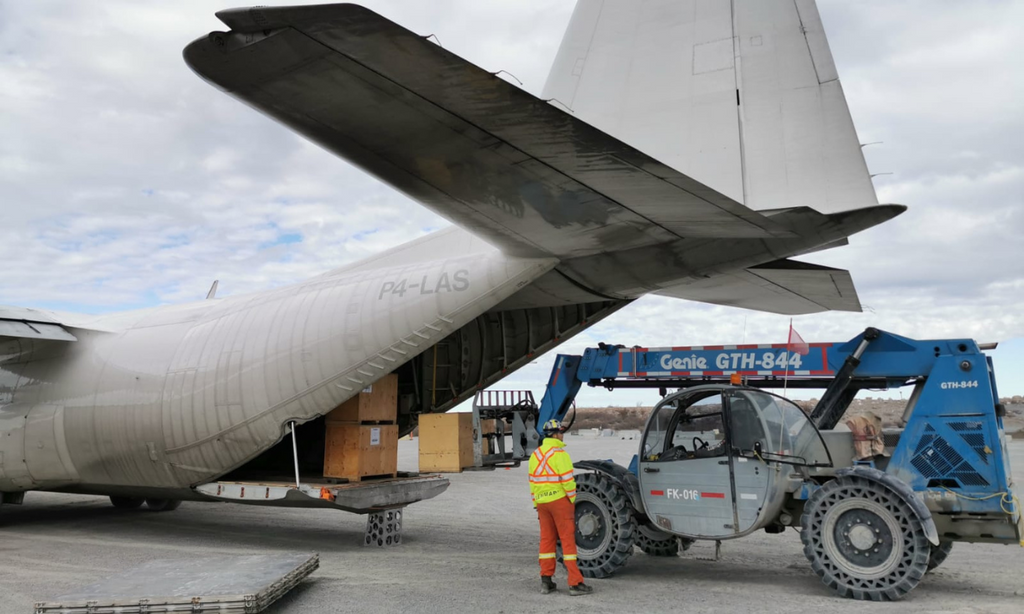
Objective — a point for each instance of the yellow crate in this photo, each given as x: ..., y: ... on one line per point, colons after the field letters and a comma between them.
x: 446, y: 442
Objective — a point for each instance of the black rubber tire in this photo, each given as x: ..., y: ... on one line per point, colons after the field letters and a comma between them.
x: 899, y: 530
x: 601, y: 496
x: 655, y: 542
x: 939, y: 554
x: 163, y: 505
x: 127, y: 503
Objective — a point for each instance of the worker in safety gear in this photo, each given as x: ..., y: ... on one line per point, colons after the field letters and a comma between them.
x: 554, y: 497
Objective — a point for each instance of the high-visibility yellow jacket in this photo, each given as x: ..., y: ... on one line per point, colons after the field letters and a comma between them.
x: 551, y: 473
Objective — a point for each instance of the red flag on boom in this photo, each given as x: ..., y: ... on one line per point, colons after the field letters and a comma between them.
x: 796, y: 343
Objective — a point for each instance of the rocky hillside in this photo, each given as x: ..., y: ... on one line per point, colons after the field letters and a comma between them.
x: 889, y: 410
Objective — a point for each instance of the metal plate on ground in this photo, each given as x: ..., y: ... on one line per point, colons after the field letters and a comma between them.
x: 224, y: 584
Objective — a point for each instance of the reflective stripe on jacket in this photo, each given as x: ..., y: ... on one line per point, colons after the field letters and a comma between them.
x: 551, y: 473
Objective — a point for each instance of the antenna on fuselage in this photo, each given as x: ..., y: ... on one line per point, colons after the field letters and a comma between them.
x: 213, y: 290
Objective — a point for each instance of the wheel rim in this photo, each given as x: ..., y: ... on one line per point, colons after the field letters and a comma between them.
x: 594, y: 526
x: 862, y: 539
x: 836, y: 537
x: 604, y: 525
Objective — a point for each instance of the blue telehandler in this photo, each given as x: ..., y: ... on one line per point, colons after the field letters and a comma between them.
x: 720, y: 457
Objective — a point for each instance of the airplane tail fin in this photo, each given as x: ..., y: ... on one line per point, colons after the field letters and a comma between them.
x: 742, y: 96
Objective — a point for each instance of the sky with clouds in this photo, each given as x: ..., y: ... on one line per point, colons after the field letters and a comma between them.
x: 127, y: 182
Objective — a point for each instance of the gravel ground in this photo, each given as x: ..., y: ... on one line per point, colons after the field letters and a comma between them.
x: 471, y: 549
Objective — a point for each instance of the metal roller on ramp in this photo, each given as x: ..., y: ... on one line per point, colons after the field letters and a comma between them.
x: 224, y: 584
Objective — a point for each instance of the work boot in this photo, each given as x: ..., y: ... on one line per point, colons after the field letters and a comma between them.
x: 580, y: 589
x: 547, y: 585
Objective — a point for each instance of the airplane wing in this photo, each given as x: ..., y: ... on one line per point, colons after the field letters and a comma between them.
x: 786, y: 287
x: 23, y: 323
x: 524, y: 175
x: 30, y: 332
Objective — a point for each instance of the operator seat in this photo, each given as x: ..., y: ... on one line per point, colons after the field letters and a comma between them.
x: 746, y: 426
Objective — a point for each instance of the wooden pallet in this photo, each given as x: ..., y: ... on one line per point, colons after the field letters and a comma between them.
x: 366, y: 478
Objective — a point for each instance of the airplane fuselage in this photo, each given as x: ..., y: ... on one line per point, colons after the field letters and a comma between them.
x: 176, y: 396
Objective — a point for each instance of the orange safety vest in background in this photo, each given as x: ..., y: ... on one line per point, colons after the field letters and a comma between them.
x: 551, y: 473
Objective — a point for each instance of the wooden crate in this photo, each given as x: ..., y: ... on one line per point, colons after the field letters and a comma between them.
x: 446, y: 442
x: 377, y: 403
x: 355, y: 451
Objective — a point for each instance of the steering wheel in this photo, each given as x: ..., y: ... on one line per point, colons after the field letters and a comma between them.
x: 703, y: 444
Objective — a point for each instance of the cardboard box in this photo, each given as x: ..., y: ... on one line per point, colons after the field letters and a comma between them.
x: 446, y: 442
x: 378, y: 402
x: 355, y: 451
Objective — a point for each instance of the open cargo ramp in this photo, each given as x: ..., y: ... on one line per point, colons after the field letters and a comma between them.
x: 357, y: 497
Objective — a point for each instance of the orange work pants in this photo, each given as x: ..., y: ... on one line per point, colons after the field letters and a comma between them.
x: 558, y: 522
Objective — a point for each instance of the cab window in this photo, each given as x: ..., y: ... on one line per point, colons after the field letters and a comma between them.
x: 695, y: 431
x: 748, y: 435
x: 657, y: 427
x: 775, y: 429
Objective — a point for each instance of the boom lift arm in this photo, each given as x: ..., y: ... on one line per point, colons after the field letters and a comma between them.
x: 873, y: 360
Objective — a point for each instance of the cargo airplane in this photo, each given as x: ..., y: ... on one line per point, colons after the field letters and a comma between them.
x: 683, y: 148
